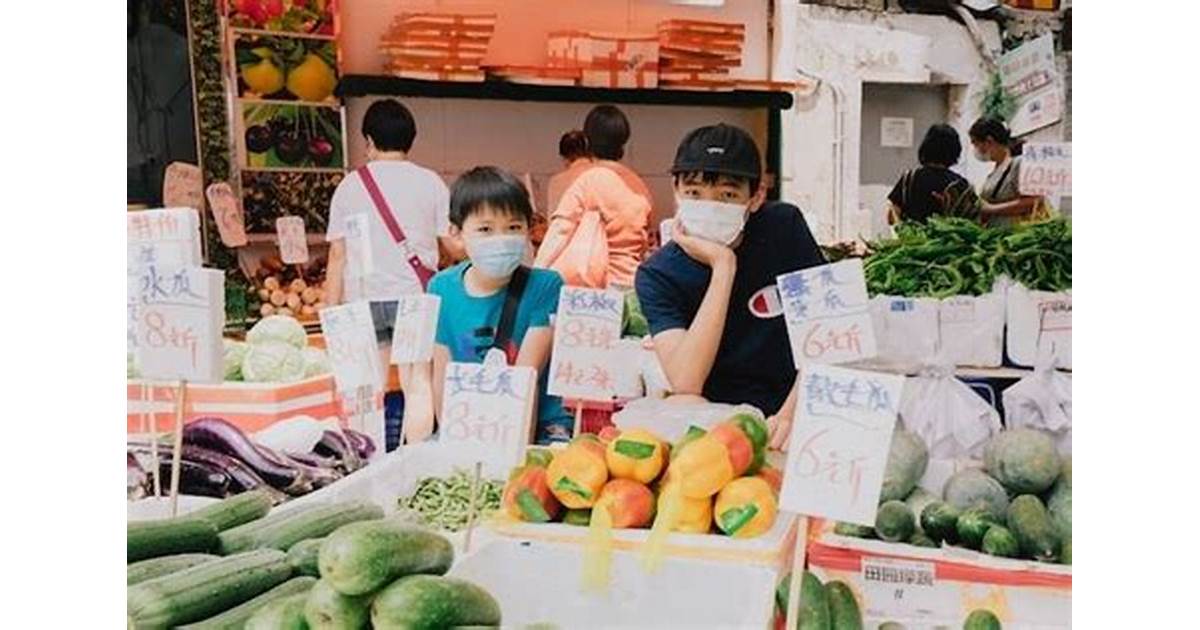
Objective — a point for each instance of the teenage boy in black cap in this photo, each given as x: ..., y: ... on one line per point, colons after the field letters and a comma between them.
x: 709, y: 295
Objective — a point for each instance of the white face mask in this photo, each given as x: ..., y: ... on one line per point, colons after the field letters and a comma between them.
x: 496, y: 256
x: 982, y: 156
x: 716, y: 221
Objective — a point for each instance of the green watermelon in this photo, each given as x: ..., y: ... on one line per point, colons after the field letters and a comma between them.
x: 939, y: 521
x: 999, y: 541
x: 974, y: 488
x: 907, y: 459
x: 1058, y: 502
x: 1025, y: 461
x: 894, y: 522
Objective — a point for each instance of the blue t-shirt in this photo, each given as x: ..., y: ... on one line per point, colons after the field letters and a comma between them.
x: 466, y: 326
x: 754, y: 361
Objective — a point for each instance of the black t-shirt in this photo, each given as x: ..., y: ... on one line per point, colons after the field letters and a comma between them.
x: 754, y: 361
x: 915, y: 194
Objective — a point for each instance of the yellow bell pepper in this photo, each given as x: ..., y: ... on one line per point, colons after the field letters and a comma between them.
x: 577, y: 475
x: 745, y: 508
x: 636, y: 455
x: 702, y: 467
x: 695, y: 515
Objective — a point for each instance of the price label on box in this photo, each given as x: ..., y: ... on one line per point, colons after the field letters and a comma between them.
x: 227, y: 214
x: 902, y: 589
x: 826, y: 309
x: 486, y: 413
x: 586, y: 329
x: 293, y: 242
x: 841, y: 435
x: 180, y: 313
x: 416, y: 325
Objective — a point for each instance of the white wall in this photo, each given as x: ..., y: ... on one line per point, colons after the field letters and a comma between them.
x: 843, y: 49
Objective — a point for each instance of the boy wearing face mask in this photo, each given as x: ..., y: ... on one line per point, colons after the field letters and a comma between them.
x: 709, y: 295
x: 490, y: 212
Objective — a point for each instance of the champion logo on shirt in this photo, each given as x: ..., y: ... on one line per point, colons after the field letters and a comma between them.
x: 765, y: 303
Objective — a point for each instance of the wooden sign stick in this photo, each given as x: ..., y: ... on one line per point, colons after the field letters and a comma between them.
x: 578, y: 419
x: 151, y: 421
x: 471, y: 506
x: 793, y: 609
x: 177, y: 450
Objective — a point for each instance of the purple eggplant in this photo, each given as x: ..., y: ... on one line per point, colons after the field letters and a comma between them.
x: 221, y: 436
x: 136, y: 479
x: 242, y: 477
x: 362, y: 443
x: 196, y: 478
x: 311, y: 459
x: 334, y: 444
x: 318, y: 476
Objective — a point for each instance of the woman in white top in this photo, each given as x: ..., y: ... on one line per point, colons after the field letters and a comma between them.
x: 1001, y: 200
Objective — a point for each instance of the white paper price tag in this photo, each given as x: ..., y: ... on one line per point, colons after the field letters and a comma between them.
x: 486, y: 414
x: 359, y: 262
x: 827, y: 313
x: 293, y: 242
x: 416, y: 325
x: 350, y: 340
x: 180, y: 314
x: 899, y: 589
x: 586, y: 329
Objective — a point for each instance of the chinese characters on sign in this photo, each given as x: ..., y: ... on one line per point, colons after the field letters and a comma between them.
x: 293, y: 243
x: 164, y: 237
x: 586, y: 329
x: 486, y: 411
x: 827, y: 314
x: 839, y: 443
x: 350, y: 340
x: 894, y: 587
x: 358, y: 246
x: 180, y: 314
x: 1029, y: 73
x: 183, y: 186
x: 1046, y: 169
x: 416, y: 325
x: 227, y: 213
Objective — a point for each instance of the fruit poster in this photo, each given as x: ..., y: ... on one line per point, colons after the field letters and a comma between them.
x: 283, y: 68
x: 294, y: 137
x: 314, y: 17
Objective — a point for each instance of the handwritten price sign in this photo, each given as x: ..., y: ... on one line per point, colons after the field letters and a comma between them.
x: 350, y: 340
x: 826, y: 309
x: 416, y: 325
x: 227, y: 213
x: 183, y: 186
x: 486, y: 411
x: 1046, y: 169
x: 293, y: 243
x: 839, y: 444
x: 166, y: 237
x: 180, y: 313
x: 586, y: 330
x: 358, y: 246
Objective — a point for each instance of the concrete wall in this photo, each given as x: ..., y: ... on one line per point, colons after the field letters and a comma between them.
x: 924, y: 104
x: 821, y: 160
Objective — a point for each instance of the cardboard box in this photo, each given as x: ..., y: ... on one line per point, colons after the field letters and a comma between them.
x: 250, y: 406
x: 606, y: 60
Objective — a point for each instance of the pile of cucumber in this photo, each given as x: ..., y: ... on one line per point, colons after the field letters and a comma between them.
x: 239, y: 564
x: 1017, y: 506
x: 829, y: 606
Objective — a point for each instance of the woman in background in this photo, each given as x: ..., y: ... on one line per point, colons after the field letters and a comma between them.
x: 573, y: 149
x: 1003, y: 203
x: 932, y: 188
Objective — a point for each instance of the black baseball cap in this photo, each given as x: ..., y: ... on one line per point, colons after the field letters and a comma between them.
x: 722, y: 149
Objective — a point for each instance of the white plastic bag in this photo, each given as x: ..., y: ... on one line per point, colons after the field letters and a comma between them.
x: 972, y: 329
x: 953, y: 421
x: 1042, y: 400
x: 298, y: 434
x: 1038, y: 322
x: 906, y: 330
x: 670, y: 420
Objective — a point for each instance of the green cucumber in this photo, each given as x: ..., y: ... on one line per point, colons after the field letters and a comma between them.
x: 916, y: 501
x: 854, y: 530
x: 891, y: 625
x: 843, y: 608
x: 999, y: 541
x: 286, y: 613
x: 303, y: 557
x: 1030, y: 522
x: 894, y: 522
x: 814, y: 602
x: 205, y: 590
x: 361, y: 558
x: 235, y: 618
x: 973, y: 525
x: 981, y: 620
x: 1066, y: 552
x: 296, y: 525
x: 167, y: 537
x: 236, y: 510
x: 157, y: 567
x: 430, y: 602
x: 921, y: 539
x: 939, y: 521
x: 327, y: 609
x: 580, y: 517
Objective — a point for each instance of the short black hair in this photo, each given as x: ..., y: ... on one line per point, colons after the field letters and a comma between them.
x: 492, y: 187
x: 711, y: 178
x: 993, y: 129
x: 941, y: 145
x: 573, y: 145
x: 389, y: 125
x: 607, y: 131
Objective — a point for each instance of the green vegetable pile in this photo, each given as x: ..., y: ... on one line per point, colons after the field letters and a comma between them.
x: 445, y: 503
x: 955, y: 256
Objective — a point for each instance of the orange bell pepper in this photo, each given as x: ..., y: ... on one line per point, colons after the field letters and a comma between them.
x: 773, y: 476
x: 630, y: 503
x: 702, y: 467
x: 739, y: 447
x: 745, y: 508
x: 577, y: 474
x: 527, y: 496
x: 637, y: 455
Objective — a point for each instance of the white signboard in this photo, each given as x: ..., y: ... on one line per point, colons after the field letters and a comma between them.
x: 1046, y: 169
x: 1054, y: 329
x: 358, y: 246
x: 180, y: 315
x: 415, y: 327
x: 1031, y: 76
x: 896, y: 132
x: 227, y: 214
x: 827, y: 313
x: 293, y: 242
x: 587, y: 327
x: 486, y: 413
x: 166, y: 237
x: 350, y: 340
x: 895, y: 588
x: 839, y: 445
